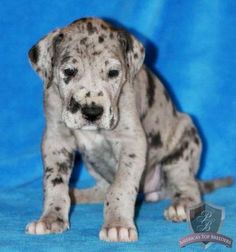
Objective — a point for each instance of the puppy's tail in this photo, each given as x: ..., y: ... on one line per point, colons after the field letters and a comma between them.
x: 211, y: 185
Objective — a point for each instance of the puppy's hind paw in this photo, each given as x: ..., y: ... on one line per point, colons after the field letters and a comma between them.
x: 175, y: 213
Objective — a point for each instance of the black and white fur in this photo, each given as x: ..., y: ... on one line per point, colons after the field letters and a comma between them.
x: 101, y: 100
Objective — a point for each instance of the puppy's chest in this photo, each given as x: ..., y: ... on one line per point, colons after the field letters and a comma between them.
x: 97, y: 149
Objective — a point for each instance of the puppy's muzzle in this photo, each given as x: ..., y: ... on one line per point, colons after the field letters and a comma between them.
x: 92, y: 112
x: 73, y: 105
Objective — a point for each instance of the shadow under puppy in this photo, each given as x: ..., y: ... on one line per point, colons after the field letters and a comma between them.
x: 100, y: 99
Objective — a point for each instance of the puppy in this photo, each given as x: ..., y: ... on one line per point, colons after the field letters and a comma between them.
x: 101, y: 100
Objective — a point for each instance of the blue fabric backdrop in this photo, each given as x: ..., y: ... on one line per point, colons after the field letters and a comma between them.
x: 190, y: 44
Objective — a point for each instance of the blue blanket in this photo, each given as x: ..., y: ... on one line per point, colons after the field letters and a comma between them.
x: 189, y: 44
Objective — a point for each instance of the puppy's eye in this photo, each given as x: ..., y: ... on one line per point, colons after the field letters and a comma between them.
x: 70, y: 72
x: 113, y: 73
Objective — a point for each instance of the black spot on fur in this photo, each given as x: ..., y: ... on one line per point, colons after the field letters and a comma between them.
x: 126, y: 41
x: 196, y: 140
x: 34, y: 54
x: 103, y: 27
x: 96, y: 53
x: 135, y: 55
x: 63, y: 167
x: 117, y: 198
x: 59, y: 219
x: 155, y: 140
x: 88, y: 94
x: 70, y: 158
x: 74, y: 106
x: 57, y: 208
x: 57, y: 181
x: 83, y: 41
x: 48, y: 170
x: 192, y: 133
x: 132, y: 155
x: 100, y: 39
x: 90, y: 28
x: 58, y: 39
x: 150, y: 89
x: 64, y: 151
x: 68, y: 161
x: 176, y: 155
x: 100, y: 93
x: 107, y: 203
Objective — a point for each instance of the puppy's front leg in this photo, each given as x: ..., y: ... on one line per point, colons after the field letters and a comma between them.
x: 58, y: 157
x: 121, y: 196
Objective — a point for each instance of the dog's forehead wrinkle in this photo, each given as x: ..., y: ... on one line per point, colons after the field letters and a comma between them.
x: 65, y: 59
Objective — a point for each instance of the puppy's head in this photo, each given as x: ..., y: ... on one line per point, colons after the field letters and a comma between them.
x: 88, y: 61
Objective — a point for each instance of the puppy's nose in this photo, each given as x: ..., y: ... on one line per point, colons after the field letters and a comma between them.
x: 92, y: 112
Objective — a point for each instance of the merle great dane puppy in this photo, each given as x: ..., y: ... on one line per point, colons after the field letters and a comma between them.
x: 100, y: 99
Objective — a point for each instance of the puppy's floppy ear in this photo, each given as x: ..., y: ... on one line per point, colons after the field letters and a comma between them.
x: 42, y: 55
x: 133, y: 51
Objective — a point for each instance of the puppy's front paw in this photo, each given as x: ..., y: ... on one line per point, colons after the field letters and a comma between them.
x: 50, y: 223
x: 118, y: 234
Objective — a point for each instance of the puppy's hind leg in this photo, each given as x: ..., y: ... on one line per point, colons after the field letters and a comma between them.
x: 153, y: 184
x: 180, y: 168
